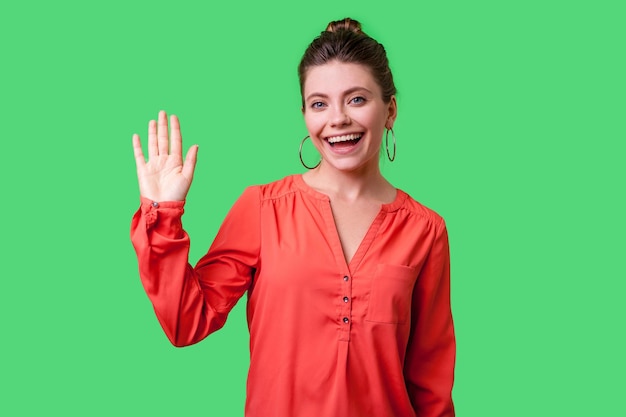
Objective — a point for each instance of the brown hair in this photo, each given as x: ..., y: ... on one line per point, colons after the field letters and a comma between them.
x: 344, y: 41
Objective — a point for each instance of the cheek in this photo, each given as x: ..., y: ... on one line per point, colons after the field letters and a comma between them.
x: 380, y: 123
x: 313, y: 124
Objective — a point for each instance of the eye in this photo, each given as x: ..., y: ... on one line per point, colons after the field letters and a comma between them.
x: 317, y: 105
x: 357, y: 100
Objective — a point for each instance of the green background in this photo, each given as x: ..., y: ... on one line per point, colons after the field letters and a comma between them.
x: 511, y: 125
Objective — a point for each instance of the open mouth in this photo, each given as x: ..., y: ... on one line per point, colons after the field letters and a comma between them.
x: 344, y: 140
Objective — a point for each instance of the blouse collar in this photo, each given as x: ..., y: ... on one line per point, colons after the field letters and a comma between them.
x: 299, y: 182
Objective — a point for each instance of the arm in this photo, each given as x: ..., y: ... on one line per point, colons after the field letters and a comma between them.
x: 190, y: 303
x: 429, y: 366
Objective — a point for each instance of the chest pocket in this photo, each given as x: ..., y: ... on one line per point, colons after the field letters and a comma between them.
x: 391, y: 293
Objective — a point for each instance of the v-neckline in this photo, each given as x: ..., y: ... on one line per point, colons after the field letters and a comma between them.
x: 333, y: 231
x: 363, y: 245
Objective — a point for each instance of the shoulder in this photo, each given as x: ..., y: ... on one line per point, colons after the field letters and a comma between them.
x: 413, y: 208
x: 285, y: 187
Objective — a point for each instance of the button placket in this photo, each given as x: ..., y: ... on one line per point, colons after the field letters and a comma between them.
x: 346, y: 307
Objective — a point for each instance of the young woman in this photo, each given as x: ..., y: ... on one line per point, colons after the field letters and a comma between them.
x: 347, y: 277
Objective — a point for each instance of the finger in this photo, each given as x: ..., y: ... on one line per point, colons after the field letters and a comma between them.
x: 139, y: 158
x: 162, y: 133
x: 153, y: 150
x: 190, y: 162
x: 176, y: 140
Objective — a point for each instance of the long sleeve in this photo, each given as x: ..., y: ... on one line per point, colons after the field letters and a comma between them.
x: 190, y: 303
x: 429, y: 366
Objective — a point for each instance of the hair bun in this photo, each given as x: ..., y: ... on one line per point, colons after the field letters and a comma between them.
x: 347, y: 24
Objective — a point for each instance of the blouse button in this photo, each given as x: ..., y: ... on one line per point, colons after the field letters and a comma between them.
x: 346, y: 278
x: 155, y: 204
x: 346, y: 320
x: 346, y: 299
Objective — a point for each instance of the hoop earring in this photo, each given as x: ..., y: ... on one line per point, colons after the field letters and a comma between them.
x: 300, y: 153
x: 393, y: 136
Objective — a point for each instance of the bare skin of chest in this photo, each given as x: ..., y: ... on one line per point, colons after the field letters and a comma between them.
x: 352, y: 221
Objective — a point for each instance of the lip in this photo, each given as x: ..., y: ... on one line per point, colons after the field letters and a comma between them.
x: 343, y: 150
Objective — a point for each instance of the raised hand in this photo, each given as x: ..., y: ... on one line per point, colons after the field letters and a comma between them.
x: 164, y: 177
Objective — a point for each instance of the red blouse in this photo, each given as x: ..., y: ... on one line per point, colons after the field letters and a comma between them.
x: 373, y: 338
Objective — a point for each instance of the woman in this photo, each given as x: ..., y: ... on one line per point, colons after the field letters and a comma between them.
x: 347, y: 276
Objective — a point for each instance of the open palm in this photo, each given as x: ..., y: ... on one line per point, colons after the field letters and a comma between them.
x: 164, y: 177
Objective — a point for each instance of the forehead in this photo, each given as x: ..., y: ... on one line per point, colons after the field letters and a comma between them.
x: 335, y: 77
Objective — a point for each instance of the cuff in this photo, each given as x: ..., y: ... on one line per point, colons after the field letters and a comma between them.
x: 163, y: 216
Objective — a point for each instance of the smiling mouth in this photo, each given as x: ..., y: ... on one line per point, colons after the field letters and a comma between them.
x: 344, y: 140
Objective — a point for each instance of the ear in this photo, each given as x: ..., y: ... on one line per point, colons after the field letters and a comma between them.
x: 392, y: 112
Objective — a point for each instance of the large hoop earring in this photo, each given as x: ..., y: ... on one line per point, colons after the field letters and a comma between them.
x: 300, y: 153
x: 393, y: 136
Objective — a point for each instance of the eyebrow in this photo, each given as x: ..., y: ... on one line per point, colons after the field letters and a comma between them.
x: 345, y: 93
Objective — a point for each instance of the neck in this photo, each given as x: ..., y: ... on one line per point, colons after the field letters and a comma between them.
x: 364, y: 183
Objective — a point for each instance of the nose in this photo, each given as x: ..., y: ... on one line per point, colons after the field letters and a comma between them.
x: 339, y: 116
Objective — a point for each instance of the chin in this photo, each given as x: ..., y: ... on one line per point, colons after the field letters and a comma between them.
x: 348, y: 166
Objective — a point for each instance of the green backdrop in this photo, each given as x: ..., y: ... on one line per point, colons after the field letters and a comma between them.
x: 511, y: 125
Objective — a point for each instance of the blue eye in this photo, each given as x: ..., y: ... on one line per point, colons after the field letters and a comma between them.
x: 317, y: 105
x: 358, y: 100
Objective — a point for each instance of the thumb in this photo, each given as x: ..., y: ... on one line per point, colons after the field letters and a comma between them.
x: 190, y: 162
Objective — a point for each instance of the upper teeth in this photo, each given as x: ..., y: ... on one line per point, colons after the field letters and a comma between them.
x: 343, y: 138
